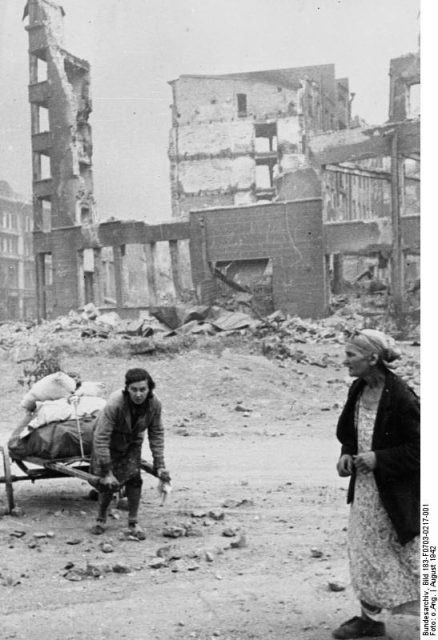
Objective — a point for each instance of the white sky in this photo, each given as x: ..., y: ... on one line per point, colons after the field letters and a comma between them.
x: 136, y: 46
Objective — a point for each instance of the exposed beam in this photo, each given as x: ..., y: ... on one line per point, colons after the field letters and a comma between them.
x: 368, y: 143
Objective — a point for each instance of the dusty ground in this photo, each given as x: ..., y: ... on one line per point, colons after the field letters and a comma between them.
x: 277, y: 460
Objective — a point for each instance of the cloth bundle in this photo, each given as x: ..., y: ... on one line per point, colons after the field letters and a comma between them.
x: 54, y: 441
x: 63, y: 418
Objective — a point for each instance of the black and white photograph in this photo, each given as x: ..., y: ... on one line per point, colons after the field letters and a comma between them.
x: 211, y: 320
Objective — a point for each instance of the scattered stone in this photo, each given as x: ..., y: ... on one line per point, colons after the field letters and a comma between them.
x: 316, y: 553
x: 233, y: 504
x: 230, y: 504
x: 193, y: 567
x: 39, y: 535
x: 240, y: 543
x: 75, y: 575
x: 193, y: 532
x: 209, y: 556
x: 106, y: 547
x: 96, y: 571
x: 33, y: 545
x: 335, y: 586
x: 69, y: 565
x: 174, y: 532
x: 50, y: 534
x: 17, y: 512
x: 242, y: 409
x: 73, y: 541
x: 158, y: 563
x: 216, y: 515
x: 177, y: 566
x: 229, y: 533
x: 198, y: 514
x: 17, y: 533
x: 121, y: 568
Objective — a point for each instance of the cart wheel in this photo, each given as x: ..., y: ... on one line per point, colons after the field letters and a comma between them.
x: 8, y: 481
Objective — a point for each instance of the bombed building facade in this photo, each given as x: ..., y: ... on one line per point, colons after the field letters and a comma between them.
x: 17, y: 271
x: 233, y: 134
x: 60, y: 104
x: 272, y: 185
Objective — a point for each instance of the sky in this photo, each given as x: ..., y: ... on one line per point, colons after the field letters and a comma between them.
x: 136, y: 46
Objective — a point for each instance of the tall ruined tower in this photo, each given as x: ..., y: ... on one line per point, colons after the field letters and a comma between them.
x: 59, y: 95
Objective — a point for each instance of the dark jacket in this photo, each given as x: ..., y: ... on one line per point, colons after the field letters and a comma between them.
x: 115, y: 435
x: 396, y: 443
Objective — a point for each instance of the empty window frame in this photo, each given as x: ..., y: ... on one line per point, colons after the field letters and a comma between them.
x: 242, y: 107
x: 413, y: 100
x: 43, y: 119
x: 263, y: 177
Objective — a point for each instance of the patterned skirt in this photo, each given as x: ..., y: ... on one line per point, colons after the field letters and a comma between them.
x: 384, y: 573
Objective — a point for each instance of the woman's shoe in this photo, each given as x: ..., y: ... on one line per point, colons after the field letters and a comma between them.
x: 359, y: 627
x: 98, y: 529
x: 136, y: 532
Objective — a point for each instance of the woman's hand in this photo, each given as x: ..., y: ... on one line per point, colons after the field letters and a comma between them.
x: 345, y: 465
x: 109, y: 481
x: 365, y: 462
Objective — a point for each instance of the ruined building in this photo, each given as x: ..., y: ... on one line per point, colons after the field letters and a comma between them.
x: 78, y: 260
x: 243, y: 139
x: 17, y: 279
x: 233, y: 134
x: 61, y: 155
x: 265, y: 163
x: 370, y: 184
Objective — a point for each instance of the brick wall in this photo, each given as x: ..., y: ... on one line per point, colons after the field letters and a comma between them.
x: 290, y: 233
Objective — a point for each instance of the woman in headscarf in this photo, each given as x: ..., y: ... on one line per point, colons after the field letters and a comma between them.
x: 379, y: 430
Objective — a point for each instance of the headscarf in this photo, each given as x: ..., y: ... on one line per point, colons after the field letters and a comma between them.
x: 370, y: 341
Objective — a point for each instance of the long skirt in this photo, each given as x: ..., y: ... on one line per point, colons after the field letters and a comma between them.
x: 384, y: 573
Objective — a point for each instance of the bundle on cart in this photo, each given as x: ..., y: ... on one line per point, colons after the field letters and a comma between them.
x: 62, y: 419
x: 55, y: 441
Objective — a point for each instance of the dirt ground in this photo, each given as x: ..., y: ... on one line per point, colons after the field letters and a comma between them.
x: 266, y: 474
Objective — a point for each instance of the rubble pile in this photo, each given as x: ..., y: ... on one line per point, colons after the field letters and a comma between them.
x: 141, y: 335
x: 277, y: 335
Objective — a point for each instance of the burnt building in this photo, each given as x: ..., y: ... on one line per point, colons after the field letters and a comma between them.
x: 60, y: 104
x: 17, y: 272
x: 370, y: 185
x: 233, y: 134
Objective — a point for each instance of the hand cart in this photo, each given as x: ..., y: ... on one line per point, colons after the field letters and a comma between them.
x: 45, y: 469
